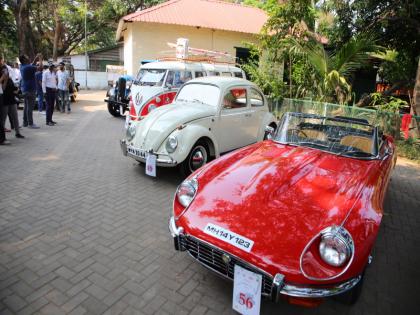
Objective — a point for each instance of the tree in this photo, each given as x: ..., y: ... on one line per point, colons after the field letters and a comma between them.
x: 56, y: 27
x: 8, y: 33
x: 21, y: 11
x: 335, y: 69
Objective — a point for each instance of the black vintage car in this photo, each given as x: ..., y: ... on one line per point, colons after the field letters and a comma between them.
x: 118, y: 96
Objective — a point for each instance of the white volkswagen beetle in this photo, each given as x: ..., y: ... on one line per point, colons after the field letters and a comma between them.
x: 210, y: 116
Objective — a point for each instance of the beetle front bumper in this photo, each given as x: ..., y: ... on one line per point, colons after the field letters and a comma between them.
x: 163, y: 160
x: 272, y: 287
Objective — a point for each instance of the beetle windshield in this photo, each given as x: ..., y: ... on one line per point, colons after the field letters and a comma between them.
x: 199, y: 93
x: 150, y: 77
x: 339, y: 135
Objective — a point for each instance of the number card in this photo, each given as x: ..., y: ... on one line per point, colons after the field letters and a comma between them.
x: 246, y: 291
x: 151, y: 165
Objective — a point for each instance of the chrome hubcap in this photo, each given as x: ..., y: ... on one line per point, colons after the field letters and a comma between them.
x: 198, y: 158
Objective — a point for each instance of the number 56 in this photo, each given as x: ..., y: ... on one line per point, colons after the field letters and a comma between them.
x: 244, y: 300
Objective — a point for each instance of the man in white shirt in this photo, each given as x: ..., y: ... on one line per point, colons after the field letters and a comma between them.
x: 63, y: 78
x: 49, y: 87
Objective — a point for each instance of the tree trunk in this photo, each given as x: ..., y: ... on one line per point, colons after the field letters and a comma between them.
x: 24, y: 28
x: 57, y: 33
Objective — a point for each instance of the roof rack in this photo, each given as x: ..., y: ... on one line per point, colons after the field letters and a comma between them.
x: 185, y: 53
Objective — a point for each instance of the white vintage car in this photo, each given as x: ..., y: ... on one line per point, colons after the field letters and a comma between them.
x: 210, y: 116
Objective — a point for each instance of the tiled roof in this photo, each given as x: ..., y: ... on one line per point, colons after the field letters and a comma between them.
x: 213, y: 14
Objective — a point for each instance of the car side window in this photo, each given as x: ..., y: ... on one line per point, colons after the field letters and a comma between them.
x: 199, y: 74
x: 214, y: 73
x: 256, y: 99
x: 238, y: 74
x: 178, y: 78
x: 226, y: 74
x: 234, y: 98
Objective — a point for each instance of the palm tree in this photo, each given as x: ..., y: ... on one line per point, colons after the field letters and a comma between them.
x: 332, y: 70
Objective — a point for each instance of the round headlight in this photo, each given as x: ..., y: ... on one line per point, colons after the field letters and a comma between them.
x: 171, y: 144
x: 151, y: 107
x: 131, y: 131
x: 186, y: 192
x: 336, y: 246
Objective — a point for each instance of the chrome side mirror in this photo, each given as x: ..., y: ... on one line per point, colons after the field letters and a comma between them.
x: 269, y: 132
x: 386, y: 153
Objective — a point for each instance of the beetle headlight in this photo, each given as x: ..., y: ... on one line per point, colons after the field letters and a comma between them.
x: 171, y: 144
x: 336, y: 246
x: 131, y: 132
x: 186, y: 191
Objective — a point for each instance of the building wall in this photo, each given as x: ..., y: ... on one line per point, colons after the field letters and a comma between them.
x: 96, y: 80
x: 147, y: 40
x: 128, y: 49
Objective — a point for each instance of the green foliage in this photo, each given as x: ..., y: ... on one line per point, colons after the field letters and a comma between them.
x: 388, y: 104
x: 334, y: 69
x: 395, y: 23
x: 265, y: 73
x: 401, y: 69
x: 102, y: 21
x: 8, y: 37
x: 267, y: 5
x: 409, y: 149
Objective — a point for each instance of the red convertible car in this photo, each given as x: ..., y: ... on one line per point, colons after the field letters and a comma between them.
x: 301, y: 209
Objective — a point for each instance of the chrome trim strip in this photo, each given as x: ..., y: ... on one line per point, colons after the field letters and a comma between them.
x: 175, y: 231
x: 296, y: 291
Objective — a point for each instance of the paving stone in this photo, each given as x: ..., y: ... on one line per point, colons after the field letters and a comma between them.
x: 14, y: 302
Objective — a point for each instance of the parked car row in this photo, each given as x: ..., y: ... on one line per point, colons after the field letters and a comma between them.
x: 157, y: 83
x: 293, y: 212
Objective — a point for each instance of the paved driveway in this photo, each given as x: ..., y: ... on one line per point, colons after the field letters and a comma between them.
x: 84, y: 231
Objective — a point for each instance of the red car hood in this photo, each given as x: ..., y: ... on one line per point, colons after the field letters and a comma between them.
x: 278, y: 196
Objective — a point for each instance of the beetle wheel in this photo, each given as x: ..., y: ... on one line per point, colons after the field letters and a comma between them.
x: 198, y: 157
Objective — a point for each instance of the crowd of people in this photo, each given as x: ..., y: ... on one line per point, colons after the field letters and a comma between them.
x: 39, y: 84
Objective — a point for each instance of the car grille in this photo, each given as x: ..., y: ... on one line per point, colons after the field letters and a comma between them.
x: 211, y: 257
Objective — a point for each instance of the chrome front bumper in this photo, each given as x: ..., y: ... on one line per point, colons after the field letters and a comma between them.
x: 278, y: 286
x: 160, y: 161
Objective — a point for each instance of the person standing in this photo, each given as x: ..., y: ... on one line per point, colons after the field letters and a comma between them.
x: 49, y: 87
x: 9, y: 106
x: 29, y: 88
x: 39, y: 92
x: 4, y: 76
x: 63, y: 78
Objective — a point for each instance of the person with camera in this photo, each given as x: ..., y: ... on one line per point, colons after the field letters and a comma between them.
x: 28, y: 71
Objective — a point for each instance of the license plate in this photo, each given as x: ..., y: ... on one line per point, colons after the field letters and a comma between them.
x: 246, y: 291
x: 151, y: 165
x: 227, y: 236
x: 136, y: 152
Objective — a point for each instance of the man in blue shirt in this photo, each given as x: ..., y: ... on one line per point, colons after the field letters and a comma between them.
x: 29, y: 88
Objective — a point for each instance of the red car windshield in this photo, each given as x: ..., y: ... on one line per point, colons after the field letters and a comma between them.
x: 339, y: 135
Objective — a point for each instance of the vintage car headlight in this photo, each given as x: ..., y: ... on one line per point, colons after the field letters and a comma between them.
x: 336, y: 246
x: 171, y: 144
x: 131, y: 132
x: 187, y: 191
